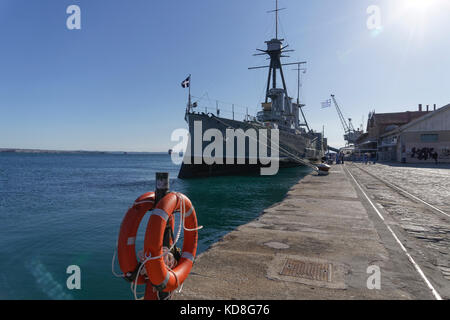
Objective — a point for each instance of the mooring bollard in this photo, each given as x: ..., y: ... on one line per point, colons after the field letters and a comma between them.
x: 162, y: 185
x: 323, y: 169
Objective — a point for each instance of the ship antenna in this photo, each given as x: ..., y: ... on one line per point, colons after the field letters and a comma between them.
x: 299, y: 80
x: 299, y: 84
x: 276, y: 17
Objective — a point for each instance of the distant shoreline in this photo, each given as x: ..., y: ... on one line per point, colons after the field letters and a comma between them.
x: 40, y: 151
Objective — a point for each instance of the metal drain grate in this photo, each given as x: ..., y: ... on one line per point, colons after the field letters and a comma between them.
x: 307, y: 270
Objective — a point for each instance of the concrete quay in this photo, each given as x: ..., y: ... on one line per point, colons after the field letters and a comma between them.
x: 325, y: 240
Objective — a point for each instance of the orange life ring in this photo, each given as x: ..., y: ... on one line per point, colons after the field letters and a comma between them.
x: 162, y: 278
x: 128, y: 260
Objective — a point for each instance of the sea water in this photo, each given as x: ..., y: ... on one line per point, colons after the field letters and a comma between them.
x: 58, y: 210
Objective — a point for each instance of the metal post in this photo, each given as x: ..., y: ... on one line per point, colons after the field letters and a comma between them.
x: 233, y: 110
x: 162, y: 185
x: 268, y: 81
x: 162, y: 188
x: 274, y: 76
x: 276, y: 20
x: 217, y: 107
x: 189, y: 100
x: 282, y: 77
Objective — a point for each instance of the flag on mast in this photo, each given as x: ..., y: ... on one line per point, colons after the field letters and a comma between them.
x: 326, y: 104
x: 186, y: 83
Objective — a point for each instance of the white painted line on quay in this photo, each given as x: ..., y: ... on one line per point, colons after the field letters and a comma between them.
x: 407, y: 193
x: 416, y: 266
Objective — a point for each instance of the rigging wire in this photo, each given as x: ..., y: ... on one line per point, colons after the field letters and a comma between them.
x: 294, y: 157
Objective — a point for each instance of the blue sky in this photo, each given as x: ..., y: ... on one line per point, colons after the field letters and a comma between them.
x: 115, y: 84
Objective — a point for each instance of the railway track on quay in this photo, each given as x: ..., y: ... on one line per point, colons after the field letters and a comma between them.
x: 420, y: 228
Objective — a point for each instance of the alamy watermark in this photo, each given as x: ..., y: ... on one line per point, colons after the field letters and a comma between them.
x: 374, y: 23
x: 241, y: 147
x: 74, y: 280
x: 374, y: 280
x: 73, y: 22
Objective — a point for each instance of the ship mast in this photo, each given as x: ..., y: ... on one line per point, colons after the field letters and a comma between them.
x: 275, y: 50
x: 299, y: 84
x: 276, y: 17
x: 280, y: 109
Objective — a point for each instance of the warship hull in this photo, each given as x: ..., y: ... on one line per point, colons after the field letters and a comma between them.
x: 294, y: 149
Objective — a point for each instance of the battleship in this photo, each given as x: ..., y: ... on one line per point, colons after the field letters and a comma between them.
x: 297, y: 145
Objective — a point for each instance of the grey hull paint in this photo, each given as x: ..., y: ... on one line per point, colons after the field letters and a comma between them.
x: 292, y: 146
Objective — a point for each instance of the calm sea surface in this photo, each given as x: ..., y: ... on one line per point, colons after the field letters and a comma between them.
x: 58, y: 210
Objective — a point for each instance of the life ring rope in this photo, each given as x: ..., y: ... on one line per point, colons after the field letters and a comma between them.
x: 125, y: 249
x: 165, y: 216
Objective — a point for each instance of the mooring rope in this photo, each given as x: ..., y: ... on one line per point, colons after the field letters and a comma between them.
x: 295, y: 157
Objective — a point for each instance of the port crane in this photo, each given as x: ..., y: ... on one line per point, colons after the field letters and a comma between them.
x: 350, y: 133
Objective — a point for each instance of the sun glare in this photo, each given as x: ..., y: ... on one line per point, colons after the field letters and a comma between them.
x: 417, y: 13
x: 423, y: 7
x: 419, y: 4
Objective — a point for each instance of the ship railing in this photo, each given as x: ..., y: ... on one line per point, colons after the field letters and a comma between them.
x: 223, y: 109
x: 268, y: 116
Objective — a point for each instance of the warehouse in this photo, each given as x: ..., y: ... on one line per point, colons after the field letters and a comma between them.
x: 380, y: 123
x: 425, y: 139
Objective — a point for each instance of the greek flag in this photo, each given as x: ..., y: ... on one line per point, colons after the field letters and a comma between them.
x: 186, y: 83
x: 326, y: 104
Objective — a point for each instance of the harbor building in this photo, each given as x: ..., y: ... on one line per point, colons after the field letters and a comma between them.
x: 422, y: 140
x: 379, y: 124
